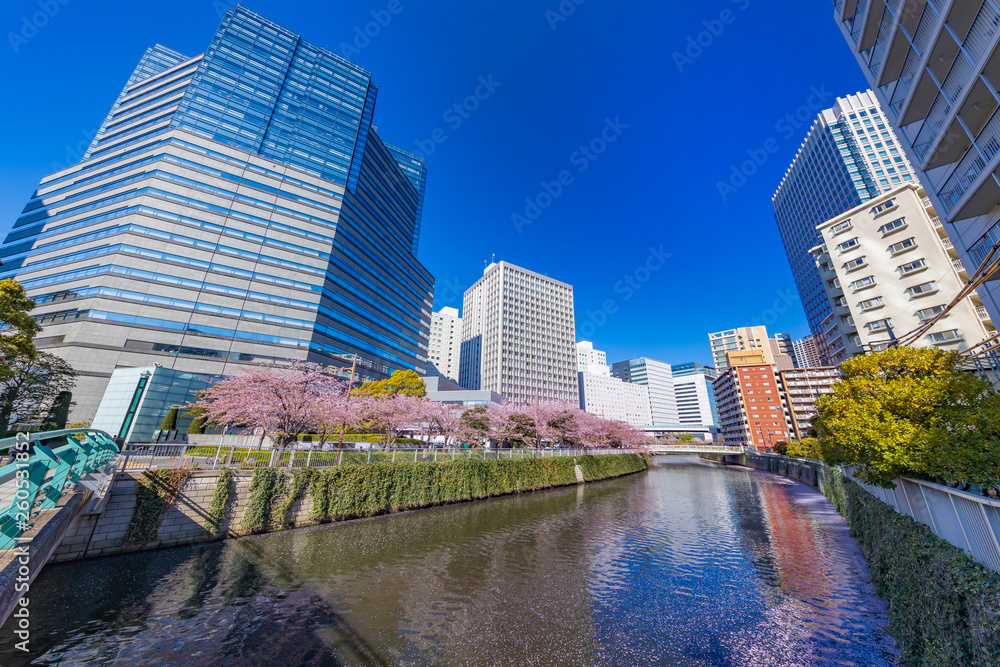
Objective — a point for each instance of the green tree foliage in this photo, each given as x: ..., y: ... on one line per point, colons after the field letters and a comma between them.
x: 169, y: 422
x: 198, y: 420
x: 400, y: 382
x: 32, y: 382
x: 15, y: 345
x: 906, y: 411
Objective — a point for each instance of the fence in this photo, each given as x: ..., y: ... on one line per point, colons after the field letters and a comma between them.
x: 970, y: 522
x: 45, y: 466
x: 145, y: 457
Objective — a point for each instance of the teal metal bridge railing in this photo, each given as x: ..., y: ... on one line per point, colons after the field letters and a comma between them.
x: 39, y: 468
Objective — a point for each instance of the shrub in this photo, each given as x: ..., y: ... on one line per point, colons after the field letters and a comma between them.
x: 169, y: 422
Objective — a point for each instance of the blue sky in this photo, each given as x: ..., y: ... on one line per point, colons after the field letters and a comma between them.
x: 588, y: 125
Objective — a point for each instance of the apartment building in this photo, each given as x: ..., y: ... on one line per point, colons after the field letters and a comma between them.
x: 777, y: 351
x: 752, y: 411
x: 801, y: 388
x: 888, y: 267
x: 444, y: 344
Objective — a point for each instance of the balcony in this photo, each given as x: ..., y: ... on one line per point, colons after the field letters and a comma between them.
x: 947, y: 244
x: 957, y: 265
x: 936, y: 221
x: 983, y: 314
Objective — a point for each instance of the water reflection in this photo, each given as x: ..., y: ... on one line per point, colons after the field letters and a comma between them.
x: 690, y: 563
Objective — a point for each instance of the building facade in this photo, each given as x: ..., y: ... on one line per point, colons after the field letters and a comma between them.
x: 776, y: 351
x: 695, y: 394
x: 519, y: 336
x: 235, y: 206
x: 807, y: 352
x: 589, y: 360
x: 658, y: 379
x: 607, y: 396
x: 751, y: 408
x: 849, y: 156
x: 444, y: 345
x: 887, y: 268
x: 801, y: 388
x: 934, y: 68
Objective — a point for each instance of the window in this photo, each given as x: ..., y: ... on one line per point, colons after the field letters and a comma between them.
x: 841, y: 227
x: 871, y: 304
x: 902, y: 246
x: 867, y: 281
x: 930, y: 313
x: 923, y: 289
x: 847, y: 245
x: 855, y: 263
x: 883, y: 207
x: 897, y: 224
x: 913, y: 267
x: 950, y: 336
x: 879, y: 325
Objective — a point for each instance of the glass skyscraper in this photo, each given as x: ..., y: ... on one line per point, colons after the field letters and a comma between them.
x: 236, y: 206
x: 849, y: 156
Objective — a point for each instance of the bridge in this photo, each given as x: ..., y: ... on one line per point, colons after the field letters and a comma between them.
x: 695, y: 449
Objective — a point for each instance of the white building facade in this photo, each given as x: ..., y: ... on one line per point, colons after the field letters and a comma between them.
x: 444, y: 345
x: 519, y: 336
x: 606, y: 396
x: 888, y: 267
x: 695, y: 394
x: 657, y: 377
x: 934, y: 67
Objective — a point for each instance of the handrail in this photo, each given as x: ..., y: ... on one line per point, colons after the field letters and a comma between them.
x: 39, y: 474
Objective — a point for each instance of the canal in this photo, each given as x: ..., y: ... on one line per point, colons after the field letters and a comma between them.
x: 690, y: 563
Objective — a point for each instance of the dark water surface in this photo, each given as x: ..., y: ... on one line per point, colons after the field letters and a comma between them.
x: 689, y: 564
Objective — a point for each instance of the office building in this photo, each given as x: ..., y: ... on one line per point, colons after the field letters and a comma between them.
x: 801, y: 388
x: 235, y: 206
x: 935, y: 68
x: 607, y: 396
x: 695, y: 394
x: 444, y: 346
x: 442, y: 390
x: 887, y: 267
x: 751, y: 408
x: 849, y: 156
x: 777, y: 351
x: 807, y: 352
x: 519, y: 336
x: 658, y: 379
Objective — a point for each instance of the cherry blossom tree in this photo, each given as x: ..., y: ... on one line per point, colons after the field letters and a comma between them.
x: 279, y: 402
x: 443, y: 419
x: 388, y: 415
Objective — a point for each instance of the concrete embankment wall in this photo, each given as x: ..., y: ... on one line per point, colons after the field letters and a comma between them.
x: 142, y: 511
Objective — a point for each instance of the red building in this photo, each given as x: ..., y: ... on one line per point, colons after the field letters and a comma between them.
x: 751, y: 410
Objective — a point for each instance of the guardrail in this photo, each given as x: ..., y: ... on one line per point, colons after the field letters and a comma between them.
x: 970, y: 522
x: 40, y: 468
x: 146, y: 457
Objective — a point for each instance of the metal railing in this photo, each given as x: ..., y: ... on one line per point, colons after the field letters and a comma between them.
x: 41, y: 469
x: 968, y: 521
x: 212, y: 457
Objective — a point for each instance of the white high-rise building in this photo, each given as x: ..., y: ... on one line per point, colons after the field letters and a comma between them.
x: 444, y: 346
x: 887, y: 268
x: 658, y: 378
x: 807, y: 352
x: 519, y: 336
x: 933, y: 66
x: 606, y: 396
x: 589, y: 360
x: 695, y: 394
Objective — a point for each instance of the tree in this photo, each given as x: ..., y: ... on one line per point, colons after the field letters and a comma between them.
x: 444, y: 420
x: 685, y: 438
x: 473, y: 425
x: 905, y: 411
x: 389, y: 415
x: 407, y: 383
x: 198, y: 420
x: 16, y: 346
x: 169, y: 422
x: 58, y: 412
x: 282, y: 403
x: 33, y: 381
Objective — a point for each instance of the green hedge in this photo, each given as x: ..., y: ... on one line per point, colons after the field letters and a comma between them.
x: 944, y: 607
x: 357, y: 491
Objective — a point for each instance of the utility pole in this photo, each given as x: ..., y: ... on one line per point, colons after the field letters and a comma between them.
x: 347, y: 400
